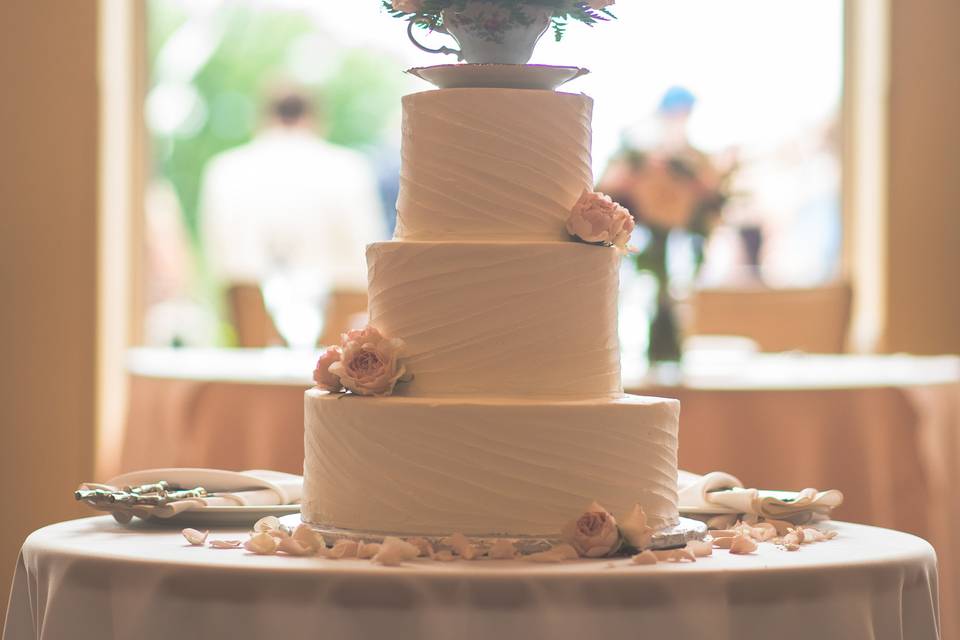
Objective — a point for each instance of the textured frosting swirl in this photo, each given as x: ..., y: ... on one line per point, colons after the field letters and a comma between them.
x: 485, y: 164
x: 512, y: 467
x: 499, y: 318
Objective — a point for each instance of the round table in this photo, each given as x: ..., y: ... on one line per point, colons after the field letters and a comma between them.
x: 883, y: 429
x: 91, y: 578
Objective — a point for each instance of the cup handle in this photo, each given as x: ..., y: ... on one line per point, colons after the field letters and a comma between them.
x: 444, y: 50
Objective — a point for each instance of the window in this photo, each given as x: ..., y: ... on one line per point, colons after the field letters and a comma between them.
x: 764, y: 80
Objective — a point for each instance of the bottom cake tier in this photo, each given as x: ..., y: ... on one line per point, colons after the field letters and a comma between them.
x: 433, y: 467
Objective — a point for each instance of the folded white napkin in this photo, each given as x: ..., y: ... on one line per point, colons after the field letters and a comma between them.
x: 719, y: 493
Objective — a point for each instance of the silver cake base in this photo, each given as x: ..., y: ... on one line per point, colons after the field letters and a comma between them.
x: 686, y: 530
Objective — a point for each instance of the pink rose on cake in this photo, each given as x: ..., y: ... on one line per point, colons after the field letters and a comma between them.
x: 322, y: 376
x: 369, y: 362
x: 594, y: 534
x: 597, y: 218
x: 408, y: 6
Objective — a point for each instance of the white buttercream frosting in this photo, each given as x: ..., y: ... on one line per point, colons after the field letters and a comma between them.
x: 482, y: 164
x: 492, y: 466
x: 514, y: 420
x: 499, y: 319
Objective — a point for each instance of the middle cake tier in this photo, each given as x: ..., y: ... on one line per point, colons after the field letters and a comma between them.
x: 535, y: 319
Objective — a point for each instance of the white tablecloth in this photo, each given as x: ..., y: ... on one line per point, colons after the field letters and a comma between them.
x: 91, y: 579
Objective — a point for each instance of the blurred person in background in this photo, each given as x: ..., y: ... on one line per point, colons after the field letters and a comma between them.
x: 291, y: 209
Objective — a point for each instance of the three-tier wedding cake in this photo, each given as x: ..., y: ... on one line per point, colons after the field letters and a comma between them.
x: 498, y: 328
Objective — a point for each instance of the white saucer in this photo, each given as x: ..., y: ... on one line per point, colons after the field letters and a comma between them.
x: 227, y: 516
x: 219, y: 480
x: 500, y: 76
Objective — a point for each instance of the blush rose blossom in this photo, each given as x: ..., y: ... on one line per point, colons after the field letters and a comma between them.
x: 594, y: 534
x: 369, y: 362
x: 597, y: 218
x: 322, y: 376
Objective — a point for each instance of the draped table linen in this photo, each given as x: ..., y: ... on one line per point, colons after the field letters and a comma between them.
x: 885, y: 430
x: 92, y: 579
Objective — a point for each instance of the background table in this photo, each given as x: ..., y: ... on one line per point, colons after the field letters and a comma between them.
x: 91, y: 579
x: 884, y: 429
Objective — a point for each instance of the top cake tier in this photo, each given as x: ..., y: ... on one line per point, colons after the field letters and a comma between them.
x: 491, y: 164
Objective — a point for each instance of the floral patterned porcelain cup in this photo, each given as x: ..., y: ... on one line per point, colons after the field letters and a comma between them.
x: 491, y: 33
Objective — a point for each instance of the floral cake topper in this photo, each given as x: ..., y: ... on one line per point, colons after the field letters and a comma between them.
x: 366, y: 363
x: 429, y: 13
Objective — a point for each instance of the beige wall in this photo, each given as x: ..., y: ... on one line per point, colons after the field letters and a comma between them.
x: 923, y: 233
x: 48, y: 201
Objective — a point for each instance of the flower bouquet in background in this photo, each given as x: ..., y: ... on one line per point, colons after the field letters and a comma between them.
x: 671, y: 187
x: 496, y: 31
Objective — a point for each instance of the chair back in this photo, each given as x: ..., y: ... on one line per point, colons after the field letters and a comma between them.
x: 248, y: 314
x: 814, y: 320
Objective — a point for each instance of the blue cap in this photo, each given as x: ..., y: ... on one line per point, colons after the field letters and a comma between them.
x: 676, y: 100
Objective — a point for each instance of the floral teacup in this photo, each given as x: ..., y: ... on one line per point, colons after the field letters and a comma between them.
x: 491, y: 33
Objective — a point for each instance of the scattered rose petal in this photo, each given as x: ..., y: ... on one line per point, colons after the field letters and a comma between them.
x: 723, y: 543
x: 457, y: 542
x: 389, y: 556
x: 763, y: 532
x: 269, y: 523
x: 423, y: 546
x: 225, y: 544
x: 722, y: 521
x: 675, y: 555
x: 813, y: 535
x: 799, y: 534
x: 743, y: 545
x: 723, y: 533
x: 367, y: 551
x: 293, y: 548
x: 444, y: 555
x: 261, y: 543
x: 395, y: 551
x: 503, y: 550
x: 343, y: 548
x: 700, y: 548
x: 194, y: 537
x: 647, y: 557
x: 309, y: 538
x: 635, y: 530
x: 782, y: 526
x: 792, y: 539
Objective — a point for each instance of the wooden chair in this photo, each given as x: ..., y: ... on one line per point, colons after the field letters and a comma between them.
x: 813, y: 320
x: 255, y: 329
x: 248, y: 314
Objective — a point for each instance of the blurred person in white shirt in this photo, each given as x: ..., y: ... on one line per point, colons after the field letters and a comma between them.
x: 289, y: 200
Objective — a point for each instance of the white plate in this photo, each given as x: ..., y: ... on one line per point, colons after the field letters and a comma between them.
x: 216, y: 480
x: 500, y: 76
x: 230, y: 516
